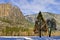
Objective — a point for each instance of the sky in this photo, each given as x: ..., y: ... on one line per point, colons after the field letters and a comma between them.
x: 34, y: 6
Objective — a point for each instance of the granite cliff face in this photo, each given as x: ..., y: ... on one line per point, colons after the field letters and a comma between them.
x: 12, y: 16
x: 12, y: 21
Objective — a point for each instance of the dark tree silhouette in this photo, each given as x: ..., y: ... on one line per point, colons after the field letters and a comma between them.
x: 40, y: 24
x: 44, y: 25
x: 51, y: 25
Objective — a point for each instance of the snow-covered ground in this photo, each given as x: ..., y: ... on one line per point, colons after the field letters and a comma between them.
x: 29, y: 38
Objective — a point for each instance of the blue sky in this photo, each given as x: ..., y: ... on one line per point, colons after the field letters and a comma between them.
x: 34, y: 6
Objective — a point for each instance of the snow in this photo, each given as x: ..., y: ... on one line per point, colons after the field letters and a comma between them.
x: 30, y: 38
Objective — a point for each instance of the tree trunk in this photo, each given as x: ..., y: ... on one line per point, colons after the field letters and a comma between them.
x: 50, y: 32
x: 40, y: 33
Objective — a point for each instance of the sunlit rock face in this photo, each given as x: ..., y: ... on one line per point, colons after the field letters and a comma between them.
x: 12, y: 21
x: 12, y: 15
x: 8, y: 11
